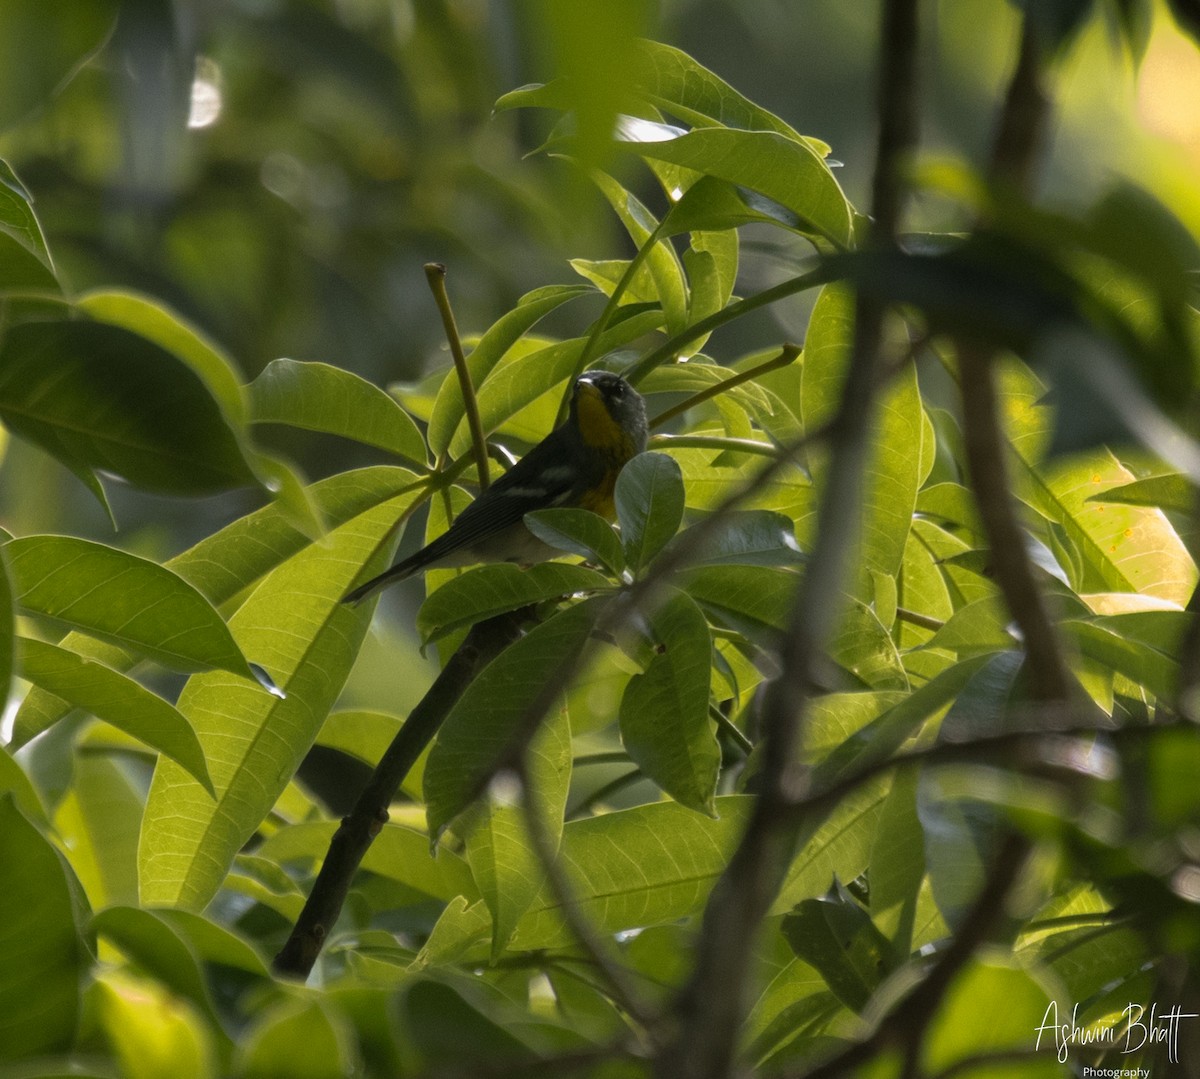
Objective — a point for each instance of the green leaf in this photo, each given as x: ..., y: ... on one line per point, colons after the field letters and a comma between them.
x: 671, y: 80
x: 637, y: 867
x: 490, y: 590
x: 114, y: 698
x: 97, y: 822
x: 398, y: 853
x: 747, y: 538
x: 500, y: 851
x: 1171, y: 492
x: 837, y: 937
x: 500, y: 337
x: 1014, y: 1004
x: 151, y: 320
x: 789, y: 172
x: 119, y: 597
x: 149, y: 940
x: 47, y: 958
x: 299, y: 1039
x: 660, y: 260
x: 42, y: 47
x: 754, y: 600
x: 254, y: 741
x: 893, y: 471
x: 579, y: 532
x: 99, y: 397
x: 14, y: 781
x: 649, y: 499
x: 7, y: 630
x: 489, y: 719
x: 898, y: 865
x: 319, y: 397
x: 24, y: 259
x: 664, y: 713
x: 229, y: 561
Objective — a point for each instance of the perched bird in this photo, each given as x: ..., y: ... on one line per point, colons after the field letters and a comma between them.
x: 575, y: 465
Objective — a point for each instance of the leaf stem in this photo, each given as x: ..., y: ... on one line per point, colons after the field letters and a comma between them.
x: 787, y: 355
x: 821, y: 274
x: 435, y: 274
x: 713, y: 442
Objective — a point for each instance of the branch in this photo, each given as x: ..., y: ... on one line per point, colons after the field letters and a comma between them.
x: 435, y: 273
x: 712, y: 1004
x: 1022, y: 122
x: 350, y: 842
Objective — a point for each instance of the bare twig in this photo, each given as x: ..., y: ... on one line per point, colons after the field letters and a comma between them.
x: 435, y: 273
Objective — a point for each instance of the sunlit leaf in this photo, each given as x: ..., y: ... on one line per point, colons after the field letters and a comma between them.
x: 41, y: 910
x: 128, y: 601
x: 319, y: 397
x: 665, y: 725
x: 118, y: 700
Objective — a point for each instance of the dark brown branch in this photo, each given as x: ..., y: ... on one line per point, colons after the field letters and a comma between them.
x: 711, y: 1006
x: 484, y: 642
x: 1014, y: 156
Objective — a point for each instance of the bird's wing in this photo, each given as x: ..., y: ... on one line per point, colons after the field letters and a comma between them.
x: 543, y: 477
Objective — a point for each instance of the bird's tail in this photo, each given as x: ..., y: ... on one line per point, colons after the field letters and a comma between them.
x: 398, y: 572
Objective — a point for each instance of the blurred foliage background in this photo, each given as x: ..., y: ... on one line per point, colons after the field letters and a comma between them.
x: 278, y: 171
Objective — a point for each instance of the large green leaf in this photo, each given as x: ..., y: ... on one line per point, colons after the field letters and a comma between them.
x: 893, y: 470
x: 836, y: 936
x: 664, y: 718
x: 398, y: 853
x: 254, y: 741
x: 45, y: 952
x: 500, y: 850
x: 299, y: 1039
x: 119, y: 597
x: 637, y: 867
x: 791, y: 173
x: 101, y: 398
x: 649, y: 499
x: 578, y: 532
x: 118, y: 700
x: 490, y: 590
x: 488, y: 718
x: 227, y: 562
x: 154, y: 322
x: 318, y: 397
x: 670, y: 79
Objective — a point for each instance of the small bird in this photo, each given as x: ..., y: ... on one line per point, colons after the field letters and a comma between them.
x: 575, y: 465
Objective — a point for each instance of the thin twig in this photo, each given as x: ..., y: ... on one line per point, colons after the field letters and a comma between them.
x: 787, y: 355
x: 435, y: 274
x: 596, y: 948
x: 824, y: 272
x: 915, y: 618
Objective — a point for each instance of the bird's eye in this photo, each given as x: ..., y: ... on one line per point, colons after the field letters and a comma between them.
x: 618, y: 389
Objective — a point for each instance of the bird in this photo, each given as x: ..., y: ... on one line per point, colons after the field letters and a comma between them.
x: 576, y: 465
